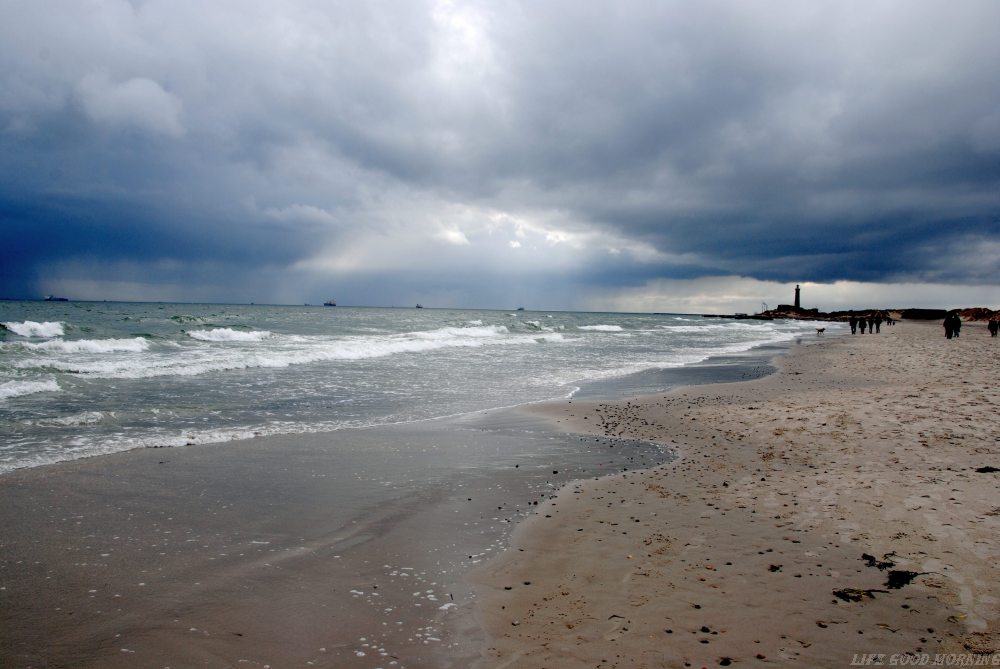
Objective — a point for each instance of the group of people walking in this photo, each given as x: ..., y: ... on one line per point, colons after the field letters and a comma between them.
x: 953, y: 325
x: 871, y: 322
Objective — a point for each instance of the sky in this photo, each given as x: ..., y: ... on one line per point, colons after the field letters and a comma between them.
x: 553, y: 154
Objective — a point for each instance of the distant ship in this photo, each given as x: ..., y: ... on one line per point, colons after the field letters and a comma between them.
x: 419, y: 306
x: 53, y: 298
x: 330, y: 303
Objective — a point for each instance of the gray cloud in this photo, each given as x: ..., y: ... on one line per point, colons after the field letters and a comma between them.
x: 457, y: 148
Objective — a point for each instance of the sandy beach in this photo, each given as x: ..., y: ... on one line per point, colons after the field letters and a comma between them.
x: 811, y: 517
x: 844, y: 511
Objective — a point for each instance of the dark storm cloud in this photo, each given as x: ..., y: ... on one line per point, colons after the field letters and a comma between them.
x: 478, y: 145
x: 771, y: 133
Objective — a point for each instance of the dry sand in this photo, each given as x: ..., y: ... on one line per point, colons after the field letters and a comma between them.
x: 733, y: 554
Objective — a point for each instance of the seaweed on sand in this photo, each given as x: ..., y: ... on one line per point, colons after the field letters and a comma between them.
x: 882, y: 564
x: 899, y: 577
x: 856, y: 594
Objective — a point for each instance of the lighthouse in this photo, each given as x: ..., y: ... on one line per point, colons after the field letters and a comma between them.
x: 798, y: 305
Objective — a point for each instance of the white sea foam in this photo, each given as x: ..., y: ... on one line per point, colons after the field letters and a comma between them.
x: 89, y: 446
x: 356, y: 348
x: 601, y: 328
x: 228, y: 334
x: 444, y: 334
x: 33, y: 329
x: 715, y: 328
x: 19, y: 388
x: 73, y: 420
x: 134, y: 345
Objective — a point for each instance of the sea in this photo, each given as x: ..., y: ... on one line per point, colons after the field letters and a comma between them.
x: 82, y: 379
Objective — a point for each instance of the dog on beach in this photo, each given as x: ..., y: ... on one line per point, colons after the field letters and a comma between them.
x: 820, y: 331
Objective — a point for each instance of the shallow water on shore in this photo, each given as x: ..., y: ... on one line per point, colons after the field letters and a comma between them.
x: 344, y: 549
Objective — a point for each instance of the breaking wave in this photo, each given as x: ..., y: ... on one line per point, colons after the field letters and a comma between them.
x: 19, y: 388
x: 228, y: 334
x: 601, y: 328
x: 136, y: 345
x: 136, y: 358
x: 33, y: 329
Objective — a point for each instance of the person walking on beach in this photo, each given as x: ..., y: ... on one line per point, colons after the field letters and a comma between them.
x: 854, y: 323
x: 952, y: 325
x: 878, y: 323
x: 871, y: 325
x: 993, y: 326
x: 862, y: 324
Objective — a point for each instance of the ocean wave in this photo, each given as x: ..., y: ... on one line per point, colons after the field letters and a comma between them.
x: 228, y: 334
x: 20, y: 388
x: 277, y: 351
x: 73, y: 420
x: 763, y: 336
x: 33, y: 329
x: 134, y: 345
x: 356, y: 348
x: 88, y: 446
x: 757, y: 326
x: 601, y: 328
x: 450, y: 333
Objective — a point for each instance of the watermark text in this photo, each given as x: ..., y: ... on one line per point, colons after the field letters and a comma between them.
x: 925, y: 660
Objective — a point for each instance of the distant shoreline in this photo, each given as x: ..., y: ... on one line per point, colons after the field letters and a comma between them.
x: 911, y: 314
x: 782, y: 311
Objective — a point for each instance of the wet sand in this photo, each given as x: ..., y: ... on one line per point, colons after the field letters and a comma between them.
x: 848, y: 505
x: 343, y: 549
